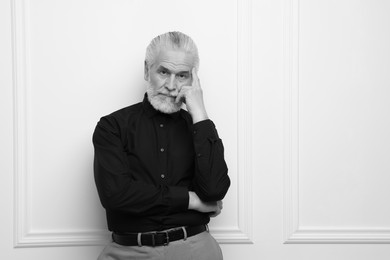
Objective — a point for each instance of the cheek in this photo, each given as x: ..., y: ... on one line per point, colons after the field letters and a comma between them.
x: 157, y: 82
x: 184, y: 83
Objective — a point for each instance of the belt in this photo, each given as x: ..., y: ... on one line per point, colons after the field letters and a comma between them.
x: 157, y: 238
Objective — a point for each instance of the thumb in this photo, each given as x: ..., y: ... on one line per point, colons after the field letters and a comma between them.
x: 179, y: 97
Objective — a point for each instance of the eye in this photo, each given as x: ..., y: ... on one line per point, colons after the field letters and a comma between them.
x: 183, y: 76
x: 163, y: 72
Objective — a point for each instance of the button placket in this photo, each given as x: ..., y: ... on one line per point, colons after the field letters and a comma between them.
x: 162, y: 146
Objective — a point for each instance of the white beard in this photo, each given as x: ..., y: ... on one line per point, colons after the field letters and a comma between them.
x: 162, y: 103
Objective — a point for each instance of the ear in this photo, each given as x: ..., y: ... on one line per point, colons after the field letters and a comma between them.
x: 146, y: 71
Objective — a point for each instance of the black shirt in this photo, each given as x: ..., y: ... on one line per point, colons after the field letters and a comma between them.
x: 147, y: 161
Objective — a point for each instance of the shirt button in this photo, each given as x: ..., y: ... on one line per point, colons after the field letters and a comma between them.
x: 162, y: 176
x: 162, y: 150
x: 194, y: 132
x: 161, y: 125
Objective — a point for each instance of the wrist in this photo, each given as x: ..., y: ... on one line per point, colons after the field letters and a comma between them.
x: 193, y: 200
x: 199, y: 116
x: 190, y: 200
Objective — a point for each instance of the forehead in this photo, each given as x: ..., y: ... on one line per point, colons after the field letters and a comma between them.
x: 175, y: 60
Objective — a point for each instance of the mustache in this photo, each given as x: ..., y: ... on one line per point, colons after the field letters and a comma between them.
x: 168, y: 95
x: 160, y: 91
x: 161, y: 102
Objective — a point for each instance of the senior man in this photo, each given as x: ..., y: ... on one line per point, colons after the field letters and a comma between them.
x: 159, y: 169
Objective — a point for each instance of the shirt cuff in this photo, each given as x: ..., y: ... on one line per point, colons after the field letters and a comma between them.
x: 178, y: 198
x: 204, y: 130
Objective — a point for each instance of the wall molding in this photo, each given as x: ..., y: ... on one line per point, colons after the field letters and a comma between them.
x: 24, y: 233
x: 21, y: 64
x: 294, y: 233
x: 244, y: 97
x: 320, y: 235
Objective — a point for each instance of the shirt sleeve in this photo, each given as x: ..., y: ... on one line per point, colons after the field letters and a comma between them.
x: 211, y: 181
x: 117, y: 191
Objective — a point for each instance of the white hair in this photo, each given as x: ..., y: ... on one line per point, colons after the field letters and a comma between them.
x: 172, y: 40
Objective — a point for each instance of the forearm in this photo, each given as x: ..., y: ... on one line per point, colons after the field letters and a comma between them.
x: 120, y: 193
x: 198, y: 113
x: 211, y: 180
x: 195, y: 203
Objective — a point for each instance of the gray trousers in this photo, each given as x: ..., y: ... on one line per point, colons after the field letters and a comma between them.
x: 199, y: 247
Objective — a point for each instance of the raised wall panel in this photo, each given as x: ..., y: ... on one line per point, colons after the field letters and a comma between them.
x: 76, y: 61
x: 336, y: 121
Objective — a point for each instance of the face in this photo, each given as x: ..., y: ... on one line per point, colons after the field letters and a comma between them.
x: 169, y: 73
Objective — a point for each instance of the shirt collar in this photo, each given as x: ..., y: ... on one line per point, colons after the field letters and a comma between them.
x: 150, y: 111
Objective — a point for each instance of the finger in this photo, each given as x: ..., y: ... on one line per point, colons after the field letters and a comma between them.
x: 178, y: 97
x: 214, y: 214
x: 220, y: 204
x: 195, y: 79
x: 182, y: 94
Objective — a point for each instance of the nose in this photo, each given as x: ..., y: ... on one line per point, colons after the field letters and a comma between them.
x: 171, y: 84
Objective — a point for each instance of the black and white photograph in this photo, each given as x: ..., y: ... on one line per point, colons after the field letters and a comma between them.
x: 195, y: 130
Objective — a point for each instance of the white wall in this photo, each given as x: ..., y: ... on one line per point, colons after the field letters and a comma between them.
x: 338, y: 113
x: 298, y: 90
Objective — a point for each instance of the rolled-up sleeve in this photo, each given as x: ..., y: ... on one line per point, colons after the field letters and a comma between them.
x: 117, y: 190
x: 211, y: 181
